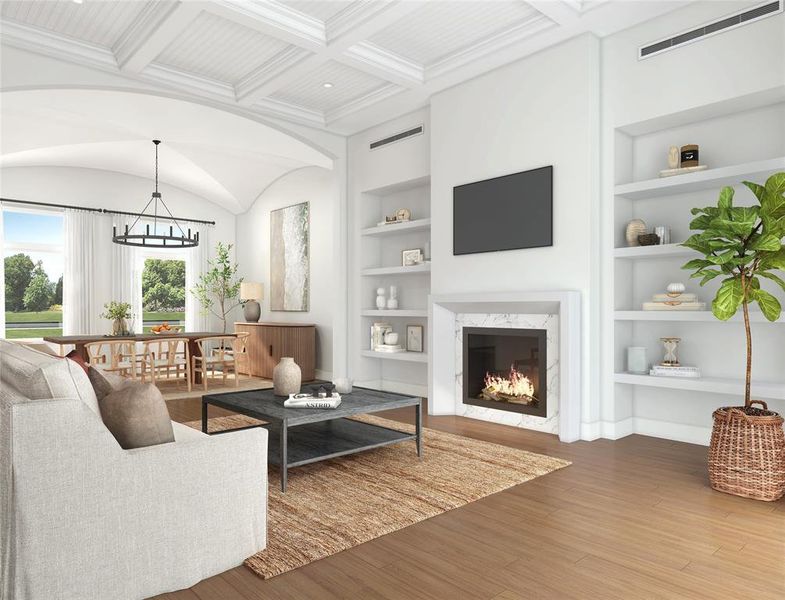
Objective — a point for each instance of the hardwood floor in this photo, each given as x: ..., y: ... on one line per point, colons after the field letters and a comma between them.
x: 629, y: 519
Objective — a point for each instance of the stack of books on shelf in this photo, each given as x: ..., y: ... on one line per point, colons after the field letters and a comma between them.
x: 669, y: 301
x: 674, y: 371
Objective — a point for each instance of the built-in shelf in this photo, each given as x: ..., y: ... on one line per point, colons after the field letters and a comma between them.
x: 420, y: 357
x: 700, y: 180
x: 657, y: 251
x: 711, y: 385
x: 697, y: 316
x: 405, y: 227
x: 394, y: 313
x: 413, y: 270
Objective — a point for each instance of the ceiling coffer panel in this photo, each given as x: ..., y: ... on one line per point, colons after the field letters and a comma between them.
x: 440, y: 29
x: 348, y: 84
x: 99, y: 23
x: 323, y: 10
x: 219, y: 49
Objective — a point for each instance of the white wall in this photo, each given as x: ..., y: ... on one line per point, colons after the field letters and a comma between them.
x: 744, y: 67
x: 322, y: 189
x: 539, y: 111
x: 112, y: 191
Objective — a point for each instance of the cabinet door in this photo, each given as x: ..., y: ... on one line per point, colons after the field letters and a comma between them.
x: 272, y: 349
x: 298, y: 342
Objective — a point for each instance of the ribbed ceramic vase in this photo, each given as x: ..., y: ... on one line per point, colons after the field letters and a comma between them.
x: 287, y: 377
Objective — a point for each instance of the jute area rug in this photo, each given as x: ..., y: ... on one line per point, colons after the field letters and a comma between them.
x: 340, y: 503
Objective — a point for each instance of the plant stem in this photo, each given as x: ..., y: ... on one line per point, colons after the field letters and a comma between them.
x: 746, y: 310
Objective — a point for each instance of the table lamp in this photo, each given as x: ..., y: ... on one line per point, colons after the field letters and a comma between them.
x: 250, y: 294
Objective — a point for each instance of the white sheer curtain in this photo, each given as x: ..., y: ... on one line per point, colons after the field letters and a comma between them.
x: 2, y: 277
x: 195, y: 265
x: 126, y: 279
x: 87, y: 240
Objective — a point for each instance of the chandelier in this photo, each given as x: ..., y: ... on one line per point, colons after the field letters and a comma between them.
x: 177, y: 238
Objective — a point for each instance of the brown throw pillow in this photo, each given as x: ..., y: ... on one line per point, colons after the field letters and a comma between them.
x: 77, y: 358
x: 106, y: 382
x: 137, y: 416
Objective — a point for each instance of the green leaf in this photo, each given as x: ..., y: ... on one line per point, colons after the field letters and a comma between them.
x: 776, y: 184
x: 766, y: 243
x: 707, y: 274
x: 721, y: 259
x: 701, y: 222
x: 696, y: 242
x: 726, y: 198
x: 757, y: 189
x: 773, y: 260
x: 769, y: 305
x: 729, y: 298
x: 775, y: 278
x: 697, y: 263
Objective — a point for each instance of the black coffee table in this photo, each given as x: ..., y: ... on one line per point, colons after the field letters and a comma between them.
x: 307, y: 435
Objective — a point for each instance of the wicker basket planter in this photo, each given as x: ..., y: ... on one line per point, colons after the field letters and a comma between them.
x: 747, y: 452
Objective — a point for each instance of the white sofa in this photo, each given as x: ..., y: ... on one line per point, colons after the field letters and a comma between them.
x: 81, y: 518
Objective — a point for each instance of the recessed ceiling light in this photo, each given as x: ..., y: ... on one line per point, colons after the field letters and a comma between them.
x: 78, y: 1
x: 327, y: 85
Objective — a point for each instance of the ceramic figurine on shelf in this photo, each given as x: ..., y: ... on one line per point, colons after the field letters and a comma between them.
x: 381, y: 303
x: 392, y: 301
x: 635, y: 228
x: 673, y: 157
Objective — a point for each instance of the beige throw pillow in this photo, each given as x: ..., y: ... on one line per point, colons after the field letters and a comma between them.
x: 137, y: 416
x: 106, y: 382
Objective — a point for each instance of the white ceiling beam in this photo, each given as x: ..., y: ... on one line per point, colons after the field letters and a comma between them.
x: 382, y: 63
x: 154, y: 29
x: 347, y: 29
x: 274, y: 19
x: 561, y: 12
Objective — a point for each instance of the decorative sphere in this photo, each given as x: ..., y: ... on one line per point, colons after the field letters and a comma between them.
x: 676, y: 288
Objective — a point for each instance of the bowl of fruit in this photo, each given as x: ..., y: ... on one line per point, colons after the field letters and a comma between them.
x: 165, y: 328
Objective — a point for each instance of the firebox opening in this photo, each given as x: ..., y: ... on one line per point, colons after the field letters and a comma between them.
x: 504, y: 368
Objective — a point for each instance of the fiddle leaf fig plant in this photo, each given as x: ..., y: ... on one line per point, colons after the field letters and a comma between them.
x: 742, y: 244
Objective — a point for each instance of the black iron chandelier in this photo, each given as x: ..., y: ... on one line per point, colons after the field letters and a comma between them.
x: 153, y: 239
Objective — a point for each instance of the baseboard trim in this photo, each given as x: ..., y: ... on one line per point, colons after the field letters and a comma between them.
x: 619, y: 429
x: 591, y: 431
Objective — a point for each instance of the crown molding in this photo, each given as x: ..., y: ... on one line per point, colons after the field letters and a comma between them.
x: 280, y: 63
x: 380, y: 62
x: 57, y: 46
x: 561, y: 12
x: 165, y: 75
x: 382, y: 93
x: 489, y: 45
x: 290, y: 112
x: 154, y: 28
x: 273, y: 18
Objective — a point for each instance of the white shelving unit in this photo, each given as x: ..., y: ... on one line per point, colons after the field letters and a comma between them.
x: 712, y: 385
x: 377, y: 259
x: 717, y: 348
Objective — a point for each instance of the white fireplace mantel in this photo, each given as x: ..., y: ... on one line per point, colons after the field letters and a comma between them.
x: 442, y: 372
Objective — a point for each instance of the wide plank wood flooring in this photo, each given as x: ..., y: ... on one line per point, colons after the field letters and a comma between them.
x: 629, y: 519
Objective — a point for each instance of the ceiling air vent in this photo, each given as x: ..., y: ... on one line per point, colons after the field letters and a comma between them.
x: 397, y: 137
x: 726, y: 23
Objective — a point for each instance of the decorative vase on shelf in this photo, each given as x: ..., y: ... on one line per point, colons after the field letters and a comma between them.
x: 287, y: 377
x: 635, y: 228
x: 381, y: 303
x: 391, y: 338
x: 392, y: 301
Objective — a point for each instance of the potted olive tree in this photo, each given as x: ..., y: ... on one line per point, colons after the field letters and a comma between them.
x: 744, y: 245
x: 219, y: 286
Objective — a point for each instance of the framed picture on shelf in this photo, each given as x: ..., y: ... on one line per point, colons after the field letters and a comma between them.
x: 414, y: 338
x: 410, y: 258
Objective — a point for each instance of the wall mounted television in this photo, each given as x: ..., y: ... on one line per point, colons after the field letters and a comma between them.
x: 504, y: 213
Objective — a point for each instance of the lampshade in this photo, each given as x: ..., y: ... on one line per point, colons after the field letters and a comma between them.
x: 250, y: 290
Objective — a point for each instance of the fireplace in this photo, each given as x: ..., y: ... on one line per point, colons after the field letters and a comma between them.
x: 505, y: 369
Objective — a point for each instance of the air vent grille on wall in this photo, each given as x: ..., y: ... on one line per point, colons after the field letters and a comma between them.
x: 397, y: 137
x: 735, y: 20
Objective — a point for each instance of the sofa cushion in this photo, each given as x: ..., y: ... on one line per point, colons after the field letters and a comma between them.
x: 137, y: 416
x: 41, y: 376
x: 77, y: 358
x: 106, y: 382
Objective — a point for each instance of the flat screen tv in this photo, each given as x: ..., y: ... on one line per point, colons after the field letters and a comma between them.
x: 505, y: 213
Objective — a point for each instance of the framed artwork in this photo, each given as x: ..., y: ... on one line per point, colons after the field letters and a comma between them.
x: 414, y: 338
x: 409, y: 258
x: 290, y: 260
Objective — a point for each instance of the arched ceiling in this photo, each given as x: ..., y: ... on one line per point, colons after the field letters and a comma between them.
x: 223, y: 157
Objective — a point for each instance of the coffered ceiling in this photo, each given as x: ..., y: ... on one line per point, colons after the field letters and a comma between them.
x: 341, y: 65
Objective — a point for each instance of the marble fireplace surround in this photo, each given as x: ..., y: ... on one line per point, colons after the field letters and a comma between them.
x: 449, y: 312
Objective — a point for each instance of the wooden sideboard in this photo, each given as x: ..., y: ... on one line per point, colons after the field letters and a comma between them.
x: 269, y: 342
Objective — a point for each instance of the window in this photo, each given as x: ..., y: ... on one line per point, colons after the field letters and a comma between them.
x: 33, y: 256
x: 163, y: 289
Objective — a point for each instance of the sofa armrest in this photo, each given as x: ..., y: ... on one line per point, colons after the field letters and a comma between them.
x: 92, y: 520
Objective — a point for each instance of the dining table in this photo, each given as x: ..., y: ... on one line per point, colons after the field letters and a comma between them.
x: 79, y: 342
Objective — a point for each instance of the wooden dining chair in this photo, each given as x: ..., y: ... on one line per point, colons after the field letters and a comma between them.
x: 239, y: 350
x: 118, y: 356
x: 215, y: 352
x: 166, y: 357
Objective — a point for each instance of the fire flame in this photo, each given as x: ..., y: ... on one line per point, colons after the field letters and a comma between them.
x: 516, y: 384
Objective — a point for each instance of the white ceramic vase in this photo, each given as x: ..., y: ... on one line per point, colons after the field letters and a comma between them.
x: 287, y: 377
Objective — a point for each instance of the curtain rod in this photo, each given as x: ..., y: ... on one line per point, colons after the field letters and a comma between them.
x: 99, y: 210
